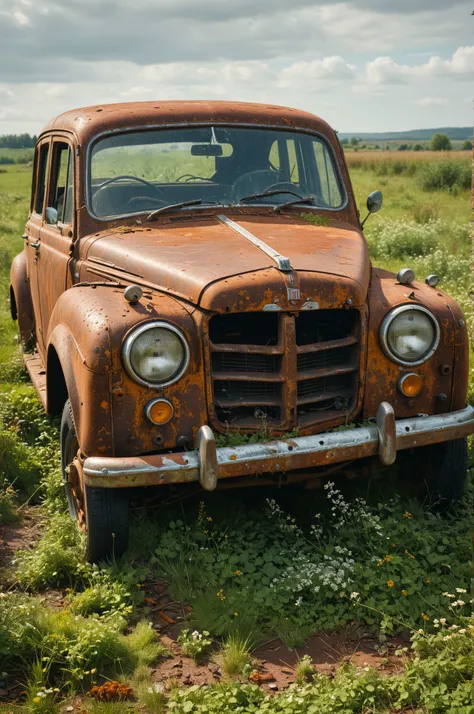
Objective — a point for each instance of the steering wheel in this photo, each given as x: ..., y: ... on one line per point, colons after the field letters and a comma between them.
x: 190, y: 177
x: 289, y: 187
x: 139, y: 202
x: 108, y: 181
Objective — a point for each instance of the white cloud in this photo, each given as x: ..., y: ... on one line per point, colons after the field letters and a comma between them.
x: 329, y: 68
x: 431, y: 102
x: 21, y: 18
x: 384, y: 70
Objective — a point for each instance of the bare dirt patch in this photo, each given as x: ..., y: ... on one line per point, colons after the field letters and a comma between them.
x: 19, y: 536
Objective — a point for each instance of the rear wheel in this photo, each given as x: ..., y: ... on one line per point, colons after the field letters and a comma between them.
x: 102, y: 512
x: 442, y: 468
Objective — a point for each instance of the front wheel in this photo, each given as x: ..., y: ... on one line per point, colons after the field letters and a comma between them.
x: 103, y: 513
x: 442, y: 468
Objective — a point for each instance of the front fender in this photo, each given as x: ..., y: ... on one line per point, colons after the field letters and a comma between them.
x: 86, y: 332
x: 445, y: 373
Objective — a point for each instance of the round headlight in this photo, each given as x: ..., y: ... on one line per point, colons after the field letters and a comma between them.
x: 155, y: 354
x: 409, y: 334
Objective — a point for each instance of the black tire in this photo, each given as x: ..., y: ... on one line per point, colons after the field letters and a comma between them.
x: 107, y: 517
x: 442, y: 468
x: 106, y: 509
x: 69, y: 448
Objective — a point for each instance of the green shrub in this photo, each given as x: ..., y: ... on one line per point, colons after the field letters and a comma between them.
x: 445, y: 175
x: 70, y: 646
x: 102, y: 597
x: 57, y: 558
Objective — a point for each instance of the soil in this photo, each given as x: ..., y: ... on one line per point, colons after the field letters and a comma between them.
x: 19, y: 536
x: 273, y: 663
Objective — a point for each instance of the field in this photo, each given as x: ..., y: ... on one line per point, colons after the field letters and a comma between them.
x: 357, y: 597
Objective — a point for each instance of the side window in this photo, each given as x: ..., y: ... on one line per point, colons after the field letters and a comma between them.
x: 42, y: 178
x: 330, y: 190
x: 60, y: 203
x: 283, y: 159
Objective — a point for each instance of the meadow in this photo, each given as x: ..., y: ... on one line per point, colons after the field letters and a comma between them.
x: 360, y: 561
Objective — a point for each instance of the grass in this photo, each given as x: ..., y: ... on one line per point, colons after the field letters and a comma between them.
x: 250, y: 570
x: 234, y: 657
x: 304, y: 670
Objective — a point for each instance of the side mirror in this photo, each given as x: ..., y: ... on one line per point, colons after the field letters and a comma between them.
x: 374, y: 204
x: 51, y: 215
x: 374, y: 201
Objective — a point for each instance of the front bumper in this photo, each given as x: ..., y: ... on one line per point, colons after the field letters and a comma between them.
x: 207, y: 464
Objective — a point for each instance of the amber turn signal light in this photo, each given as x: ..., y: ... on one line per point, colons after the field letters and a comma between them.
x: 159, y: 411
x: 410, y: 384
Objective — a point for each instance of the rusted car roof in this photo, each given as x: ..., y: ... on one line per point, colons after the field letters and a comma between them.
x: 90, y: 121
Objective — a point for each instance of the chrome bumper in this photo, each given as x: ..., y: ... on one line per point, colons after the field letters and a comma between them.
x: 207, y: 464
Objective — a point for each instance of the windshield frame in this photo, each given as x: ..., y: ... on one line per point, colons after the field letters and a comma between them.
x: 207, y: 206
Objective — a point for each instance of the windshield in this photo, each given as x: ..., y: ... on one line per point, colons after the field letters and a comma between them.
x: 142, y: 171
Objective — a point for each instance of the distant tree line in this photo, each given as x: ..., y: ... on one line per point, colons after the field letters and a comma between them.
x: 17, y: 141
x: 439, y: 142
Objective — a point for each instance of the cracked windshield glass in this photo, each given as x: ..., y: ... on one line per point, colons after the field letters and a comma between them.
x: 143, y: 171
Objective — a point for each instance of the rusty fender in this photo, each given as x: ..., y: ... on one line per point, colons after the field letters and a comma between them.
x: 207, y: 464
x: 86, y: 332
x: 445, y: 373
x: 21, y: 306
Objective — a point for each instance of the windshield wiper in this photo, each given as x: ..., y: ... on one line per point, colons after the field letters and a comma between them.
x: 303, y: 199
x: 195, y: 202
x: 275, y: 192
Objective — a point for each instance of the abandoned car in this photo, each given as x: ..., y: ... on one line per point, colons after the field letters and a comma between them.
x: 196, y: 270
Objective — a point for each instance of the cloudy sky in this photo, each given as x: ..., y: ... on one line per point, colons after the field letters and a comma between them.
x: 365, y: 65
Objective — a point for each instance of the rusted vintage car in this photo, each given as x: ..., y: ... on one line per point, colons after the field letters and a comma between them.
x: 192, y: 270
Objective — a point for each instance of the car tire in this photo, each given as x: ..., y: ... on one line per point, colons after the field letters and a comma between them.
x: 69, y: 447
x: 442, y: 469
x: 106, y: 510
x: 107, y: 520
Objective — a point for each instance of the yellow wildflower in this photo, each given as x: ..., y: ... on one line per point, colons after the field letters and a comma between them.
x: 407, y: 515
x: 237, y: 572
x: 427, y: 580
x: 36, y: 700
x: 425, y: 616
x: 404, y: 592
x: 390, y: 583
x: 235, y: 614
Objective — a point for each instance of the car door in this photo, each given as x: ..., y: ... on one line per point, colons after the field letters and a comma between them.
x: 57, y: 231
x: 33, y: 228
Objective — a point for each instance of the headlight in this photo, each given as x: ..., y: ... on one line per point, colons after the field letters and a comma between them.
x: 409, y: 334
x: 155, y: 354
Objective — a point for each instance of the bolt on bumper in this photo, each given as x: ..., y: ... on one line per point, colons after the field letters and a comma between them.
x: 207, y: 463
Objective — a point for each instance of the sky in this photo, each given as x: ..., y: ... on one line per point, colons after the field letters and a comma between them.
x: 366, y: 65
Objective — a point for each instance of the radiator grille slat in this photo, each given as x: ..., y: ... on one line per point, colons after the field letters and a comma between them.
x: 249, y: 379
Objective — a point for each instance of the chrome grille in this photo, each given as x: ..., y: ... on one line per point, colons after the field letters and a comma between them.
x: 282, y: 369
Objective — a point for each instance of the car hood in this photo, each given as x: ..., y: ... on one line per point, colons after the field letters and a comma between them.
x: 227, y: 261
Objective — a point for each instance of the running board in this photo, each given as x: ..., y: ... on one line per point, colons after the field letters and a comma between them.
x: 37, y: 373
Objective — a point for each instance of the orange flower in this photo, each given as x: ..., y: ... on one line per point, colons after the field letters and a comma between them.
x: 425, y: 616
x: 427, y: 580
x: 390, y: 583
x: 404, y: 592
